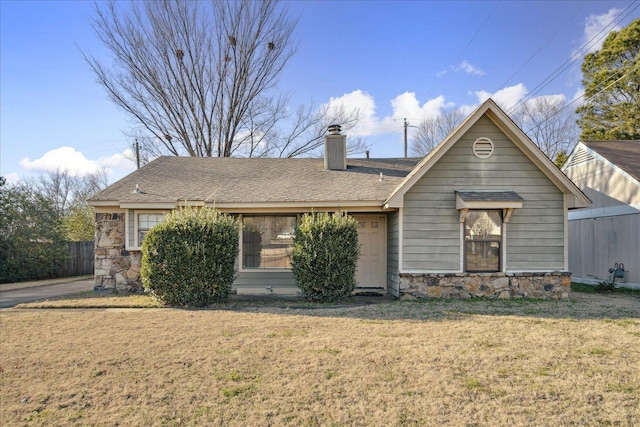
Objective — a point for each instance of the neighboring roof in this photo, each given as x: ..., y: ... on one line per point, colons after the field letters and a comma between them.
x: 513, y: 132
x: 624, y: 154
x: 489, y: 196
x: 238, y: 181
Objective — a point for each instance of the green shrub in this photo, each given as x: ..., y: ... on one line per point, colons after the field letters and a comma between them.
x: 605, y: 286
x: 325, y: 256
x: 189, y: 259
x: 32, y: 244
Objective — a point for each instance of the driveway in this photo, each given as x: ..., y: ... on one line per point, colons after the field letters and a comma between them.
x: 11, y: 296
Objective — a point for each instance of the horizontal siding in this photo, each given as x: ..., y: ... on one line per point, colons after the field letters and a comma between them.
x: 439, y: 207
x: 263, y: 278
x: 436, y: 245
x: 550, y: 248
x: 393, y: 279
x: 454, y: 178
x: 525, y: 234
x: 436, y: 261
x: 431, y: 228
x: 432, y: 234
x: 540, y: 265
x: 604, y: 185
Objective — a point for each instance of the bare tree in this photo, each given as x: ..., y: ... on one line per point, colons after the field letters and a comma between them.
x: 549, y: 124
x: 303, y: 135
x: 433, y: 130
x: 64, y: 190
x: 199, y: 78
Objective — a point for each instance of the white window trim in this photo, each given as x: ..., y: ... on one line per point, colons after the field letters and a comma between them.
x: 127, y: 234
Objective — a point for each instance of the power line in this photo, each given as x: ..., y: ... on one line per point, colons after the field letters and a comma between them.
x: 543, y: 46
x: 575, y: 57
x: 637, y: 67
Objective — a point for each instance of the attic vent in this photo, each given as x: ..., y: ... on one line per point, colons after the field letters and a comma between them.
x: 483, y: 148
x: 580, y: 156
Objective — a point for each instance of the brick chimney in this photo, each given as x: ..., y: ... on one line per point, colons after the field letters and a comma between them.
x: 335, y: 149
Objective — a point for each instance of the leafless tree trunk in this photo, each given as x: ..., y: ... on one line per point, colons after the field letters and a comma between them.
x: 550, y: 125
x: 434, y: 130
x: 199, y: 78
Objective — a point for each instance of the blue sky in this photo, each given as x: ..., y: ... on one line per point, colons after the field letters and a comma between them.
x: 392, y: 60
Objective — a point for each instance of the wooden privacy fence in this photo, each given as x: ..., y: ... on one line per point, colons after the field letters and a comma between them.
x: 80, y: 260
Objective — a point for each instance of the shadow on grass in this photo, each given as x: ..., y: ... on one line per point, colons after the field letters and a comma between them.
x: 583, y: 304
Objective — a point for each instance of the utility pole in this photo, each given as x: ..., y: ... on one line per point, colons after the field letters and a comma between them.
x: 406, y: 125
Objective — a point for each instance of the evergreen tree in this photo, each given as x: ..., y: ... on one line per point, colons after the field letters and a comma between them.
x: 611, y: 78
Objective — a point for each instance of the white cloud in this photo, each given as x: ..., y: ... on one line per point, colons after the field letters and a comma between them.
x: 595, y: 31
x: 469, y: 68
x: 405, y: 105
x: 12, y: 178
x: 578, y: 97
x: 506, y: 97
x: 63, y: 158
x: 121, y: 161
x: 366, y: 106
x: 75, y: 162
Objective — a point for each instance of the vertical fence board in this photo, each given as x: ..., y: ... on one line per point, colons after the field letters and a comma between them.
x: 80, y: 260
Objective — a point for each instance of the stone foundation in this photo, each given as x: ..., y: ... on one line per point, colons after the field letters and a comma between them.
x: 552, y: 286
x: 116, y: 269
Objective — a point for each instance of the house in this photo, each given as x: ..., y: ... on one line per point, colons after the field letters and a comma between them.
x: 608, y: 233
x: 484, y: 214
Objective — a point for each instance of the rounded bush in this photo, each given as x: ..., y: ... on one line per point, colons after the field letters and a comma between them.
x: 188, y: 259
x: 325, y: 256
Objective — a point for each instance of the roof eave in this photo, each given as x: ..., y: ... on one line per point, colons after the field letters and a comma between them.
x: 347, y: 205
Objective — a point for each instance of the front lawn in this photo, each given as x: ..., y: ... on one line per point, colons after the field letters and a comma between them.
x: 477, y: 362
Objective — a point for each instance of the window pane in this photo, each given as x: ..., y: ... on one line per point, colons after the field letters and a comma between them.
x: 147, y: 221
x: 483, y: 237
x: 483, y: 225
x: 482, y: 256
x: 267, y: 241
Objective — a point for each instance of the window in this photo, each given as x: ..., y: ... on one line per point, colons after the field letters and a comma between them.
x: 483, y: 240
x: 146, y: 221
x: 267, y: 241
x: 138, y: 225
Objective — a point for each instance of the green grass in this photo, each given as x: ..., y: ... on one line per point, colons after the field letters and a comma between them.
x: 583, y: 287
x: 591, y: 289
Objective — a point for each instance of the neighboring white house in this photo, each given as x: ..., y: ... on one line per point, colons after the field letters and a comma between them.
x: 484, y: 214
x: 607, y: 233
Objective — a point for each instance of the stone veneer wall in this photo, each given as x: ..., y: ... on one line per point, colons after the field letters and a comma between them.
x: 116, y: 269
x: 554, y: 286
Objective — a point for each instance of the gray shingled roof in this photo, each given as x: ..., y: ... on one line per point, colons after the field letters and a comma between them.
x: 489, y: 196
x: 624, y: 154
x: 257, y: 180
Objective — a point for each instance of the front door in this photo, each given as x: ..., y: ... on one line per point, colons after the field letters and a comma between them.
x: 372, y: 264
